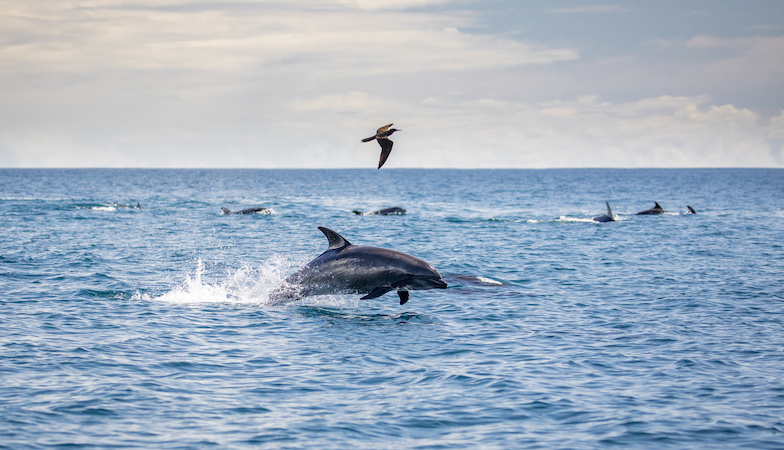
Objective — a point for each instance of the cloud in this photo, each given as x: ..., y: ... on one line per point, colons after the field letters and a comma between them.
x: 588, y: 132
x: 94, y: 35
x: 587, y: 9
x: 386, y: 4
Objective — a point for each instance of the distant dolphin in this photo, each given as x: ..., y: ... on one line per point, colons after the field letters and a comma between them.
x: 606, y: 217
x: 354, y: 269
x: 691, y: 210
x: 382, y: 136
x: 383, y: 212
x: 655, y: 210
x: 246, y: 211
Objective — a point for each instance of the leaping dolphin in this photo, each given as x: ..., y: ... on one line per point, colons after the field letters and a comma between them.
x: 258, y: 209
x: 396, y: 210
x: 382, y: 135
x: 655, y: 210
x: 355, y: 269
x: 606, y: 217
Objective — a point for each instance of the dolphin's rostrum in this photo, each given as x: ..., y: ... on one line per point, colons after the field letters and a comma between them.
x: 382, y: 136
x: 356, y: 269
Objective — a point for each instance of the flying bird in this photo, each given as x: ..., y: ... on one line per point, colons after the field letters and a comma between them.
x: 382, y: 136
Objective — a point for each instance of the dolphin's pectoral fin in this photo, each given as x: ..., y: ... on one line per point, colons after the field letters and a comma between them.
x: 381, y: 290
x: 377, y: 292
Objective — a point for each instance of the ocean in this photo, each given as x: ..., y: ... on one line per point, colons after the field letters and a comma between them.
x: 151, y: 327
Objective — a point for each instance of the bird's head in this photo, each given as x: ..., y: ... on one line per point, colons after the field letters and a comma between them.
x: 392, y: 130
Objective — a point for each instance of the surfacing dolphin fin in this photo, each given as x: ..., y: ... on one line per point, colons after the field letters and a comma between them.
x: 609, y: 211
x: 335, y: 240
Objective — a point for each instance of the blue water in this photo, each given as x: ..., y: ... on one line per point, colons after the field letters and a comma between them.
x: 150, y: 328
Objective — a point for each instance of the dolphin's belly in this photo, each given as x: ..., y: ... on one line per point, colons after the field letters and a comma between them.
x: 347, y: 276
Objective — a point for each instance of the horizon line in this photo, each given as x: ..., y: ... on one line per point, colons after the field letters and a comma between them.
x: 398, y: 168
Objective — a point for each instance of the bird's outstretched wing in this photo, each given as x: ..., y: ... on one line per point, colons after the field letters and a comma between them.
x: 383, y: 129
x: 386, y: 149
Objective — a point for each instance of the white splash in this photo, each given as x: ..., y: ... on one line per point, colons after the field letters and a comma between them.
x: 246, y: 285
x: 566, y: 219
x: 489, y: 280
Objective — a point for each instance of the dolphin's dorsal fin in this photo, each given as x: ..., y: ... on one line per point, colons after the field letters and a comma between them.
x: 609, y: 211
x: 657, y: 205
x: 335, y: 240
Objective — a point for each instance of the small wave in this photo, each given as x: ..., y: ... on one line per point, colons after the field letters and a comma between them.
x: 496, y: 219
x: 364, y: 318
x: 567, y: 219
x: 489, y: 281
x: 478, y: 280
x: 33, y: 199
x: 103, y: 208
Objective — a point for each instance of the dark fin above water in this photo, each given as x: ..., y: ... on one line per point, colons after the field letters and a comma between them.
x: 403, y: 296
x: 657, y: 205
x: 609, y: 211
x: 691, y: 210
x: 225, y: 210
x: 335, y: 240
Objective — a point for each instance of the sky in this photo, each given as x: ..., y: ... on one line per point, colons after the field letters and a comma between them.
x: 470, y: 83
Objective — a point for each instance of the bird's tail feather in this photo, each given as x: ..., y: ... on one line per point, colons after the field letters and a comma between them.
x: 368, y: 139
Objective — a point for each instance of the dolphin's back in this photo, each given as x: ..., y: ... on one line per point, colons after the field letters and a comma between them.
x: 607, y: 217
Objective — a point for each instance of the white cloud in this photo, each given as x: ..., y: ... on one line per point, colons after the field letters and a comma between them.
x: 588, y: 132
x: 104, y: 35
x: 588, y: 9
x: 386, y: 4
x: 776, y: 126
